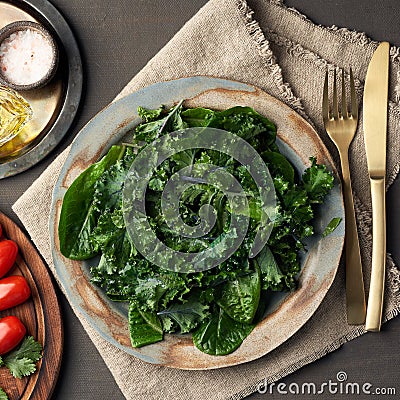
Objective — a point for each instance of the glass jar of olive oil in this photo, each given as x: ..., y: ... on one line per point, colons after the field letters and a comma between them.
x: 15, y: 112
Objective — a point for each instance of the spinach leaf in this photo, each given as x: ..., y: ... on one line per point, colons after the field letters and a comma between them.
x: 144, y: 328
x: 220, y: 335
x: 198, y: 116
x: 262, y: 306
x: 148, y: 293
x: 240, y: 297
x: 278, y: 165
x: 78, y: 216
x: 246, y: 123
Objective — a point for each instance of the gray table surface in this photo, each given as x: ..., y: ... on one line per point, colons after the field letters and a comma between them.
x: 116, y: 39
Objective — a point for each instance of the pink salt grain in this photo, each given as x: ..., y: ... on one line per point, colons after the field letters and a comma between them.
x: 25, y: 57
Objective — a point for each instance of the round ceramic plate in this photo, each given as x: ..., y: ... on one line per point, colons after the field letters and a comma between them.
x: 287, y: 312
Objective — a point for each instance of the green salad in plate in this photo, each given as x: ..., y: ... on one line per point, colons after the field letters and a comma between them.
x: 219, y: 306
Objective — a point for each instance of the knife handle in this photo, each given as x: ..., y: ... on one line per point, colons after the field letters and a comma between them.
x: 377, y: 285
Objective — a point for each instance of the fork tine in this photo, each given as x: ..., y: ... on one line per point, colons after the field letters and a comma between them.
x: 344, y: 102
x: 354, y: 105
x: 325, y: 100
x: 335, y: 109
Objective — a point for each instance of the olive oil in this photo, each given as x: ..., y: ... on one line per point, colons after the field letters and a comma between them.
x: 15, y: 112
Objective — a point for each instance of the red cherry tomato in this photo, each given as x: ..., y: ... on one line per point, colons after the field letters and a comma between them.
x: 14, y: 290
x: 8, y: 254
x: 12, y: 331
x: 1, y: 231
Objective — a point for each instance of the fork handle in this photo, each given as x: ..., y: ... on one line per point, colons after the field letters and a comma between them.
x: 355, y: 294
x: 377, y: 285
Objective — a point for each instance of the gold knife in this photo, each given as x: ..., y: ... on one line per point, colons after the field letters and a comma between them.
x: 375, y: 124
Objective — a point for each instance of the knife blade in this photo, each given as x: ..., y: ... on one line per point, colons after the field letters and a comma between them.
x: 375, y: 126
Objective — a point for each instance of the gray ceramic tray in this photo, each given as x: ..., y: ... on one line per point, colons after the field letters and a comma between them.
x: 70, y: 75
x: 287, y: 312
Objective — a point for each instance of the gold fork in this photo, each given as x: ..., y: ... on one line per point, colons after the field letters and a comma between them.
x: 341, y: 127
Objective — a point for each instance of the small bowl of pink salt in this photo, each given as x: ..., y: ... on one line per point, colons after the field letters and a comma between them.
x: 28, y: 55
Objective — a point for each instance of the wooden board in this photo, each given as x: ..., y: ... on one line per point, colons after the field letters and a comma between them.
x: 42, y: 317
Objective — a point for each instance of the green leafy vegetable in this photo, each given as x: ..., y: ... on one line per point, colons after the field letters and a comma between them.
x: 220, y: 335
x: 272, y: 276
x: 151, y: 130
x: 219, y: 306
x: 78, y: 215
x: 3, y: 395
x: 333, y: 224
x: 246, y: 123
x: 240, y: 297
x: 317, y: 181
x: 198, y: 116
x: 144, y: 328
x: 186, y: 315
x: 22, y: 361
x: 279, y: 166
x: 150, y: 115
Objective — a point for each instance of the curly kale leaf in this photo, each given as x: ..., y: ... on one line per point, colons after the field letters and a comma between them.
x: 317, y: 181
x: 246, y: 123
x: 150, y: 115
x: 272, y: 276
x: 186, y: 315
x: 171, y: 122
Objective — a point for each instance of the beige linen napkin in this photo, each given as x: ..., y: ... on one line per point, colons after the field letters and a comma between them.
x: 285, y: 54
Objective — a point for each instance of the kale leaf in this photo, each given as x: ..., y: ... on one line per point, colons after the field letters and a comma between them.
x: 186, y: 315
x: 317, y: 181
